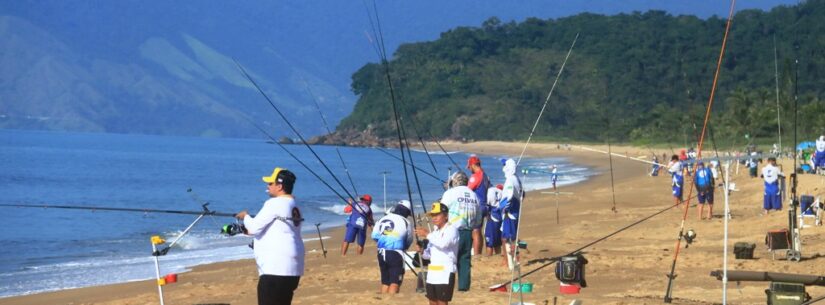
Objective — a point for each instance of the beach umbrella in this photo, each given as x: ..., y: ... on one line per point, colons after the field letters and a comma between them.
x: 805, y: 145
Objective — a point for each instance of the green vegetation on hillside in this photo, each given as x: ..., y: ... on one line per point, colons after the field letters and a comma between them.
x: 646, y: 74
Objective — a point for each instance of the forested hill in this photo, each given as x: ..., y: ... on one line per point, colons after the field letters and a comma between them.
x: 648, y: 75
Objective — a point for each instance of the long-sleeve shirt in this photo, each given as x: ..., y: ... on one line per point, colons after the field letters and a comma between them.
x: 279, y: 249
x: 392, y: 232
x: 442, y: 251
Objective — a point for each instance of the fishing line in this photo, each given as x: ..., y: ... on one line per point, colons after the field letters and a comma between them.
x: 416, y: 167
x: 668, y: 292
x: 252, y: 81
x: 551, y: 260
x: 105, y: 208
x: 326, y: 125
x: 546, y: 100
x: 517, y: 268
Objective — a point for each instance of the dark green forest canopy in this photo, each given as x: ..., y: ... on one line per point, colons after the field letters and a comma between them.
x: 648, y: 75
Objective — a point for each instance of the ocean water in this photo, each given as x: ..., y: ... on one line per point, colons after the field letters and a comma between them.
x: 54, y: 249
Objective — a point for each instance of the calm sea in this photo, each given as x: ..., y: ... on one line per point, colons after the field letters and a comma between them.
x: 54, y: 249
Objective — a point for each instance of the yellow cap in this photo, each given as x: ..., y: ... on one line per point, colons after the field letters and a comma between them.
x: 274, y: 177
x: 438, y: 208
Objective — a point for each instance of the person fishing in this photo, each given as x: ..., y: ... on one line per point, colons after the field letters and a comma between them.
x: 278, y: 247
x: 393, y: 235
x: 510, y: 205
x: 654, y: 171
x: 772, y: 199
x: 819, y: 157
x: 704, y: 183
x: 752, y: 165
x: 479, y: 183
x: 463, y: 204
x: 442, y: 251
x: 358, y: 222
x: 492, y: 229
x: 674, y: 167
x: 554, y: 175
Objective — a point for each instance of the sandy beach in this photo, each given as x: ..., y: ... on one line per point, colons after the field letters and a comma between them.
x: 628, y: 268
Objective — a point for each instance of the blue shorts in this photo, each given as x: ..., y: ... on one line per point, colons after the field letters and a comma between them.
x: 352, y: 232
x: 677, y: 192
x: 391, y: 264
x: 772, y: 202
x: 819, y: 159
x: 706, y: 197
x: 492, y: 234
x: 509, y: 228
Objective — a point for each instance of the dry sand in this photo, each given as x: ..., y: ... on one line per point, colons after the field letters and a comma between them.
x: 628, y: 268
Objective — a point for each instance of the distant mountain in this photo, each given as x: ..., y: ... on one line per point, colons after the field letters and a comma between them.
x: 166, y: 68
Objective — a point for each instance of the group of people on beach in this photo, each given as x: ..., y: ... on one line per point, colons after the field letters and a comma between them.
x: 471, y: 212
x: 704, y: 180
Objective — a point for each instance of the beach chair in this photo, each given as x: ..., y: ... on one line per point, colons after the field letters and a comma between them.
x: 807, y: 210
x: 778, y: 240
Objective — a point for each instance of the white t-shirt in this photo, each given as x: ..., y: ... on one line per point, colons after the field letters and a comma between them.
x: 493, y: 196
x: 463, y: 204
x: 279, y: 249
x: 442, y: 251
x: 675, y: 167
x: 770, y: 173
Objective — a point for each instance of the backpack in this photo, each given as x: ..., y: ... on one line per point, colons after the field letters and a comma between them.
x: 570, y: 270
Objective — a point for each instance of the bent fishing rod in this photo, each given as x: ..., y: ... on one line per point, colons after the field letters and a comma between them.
x: 326, y: 125
x: 536, y: 124
x: 281, y: 114
x: 669, y: 290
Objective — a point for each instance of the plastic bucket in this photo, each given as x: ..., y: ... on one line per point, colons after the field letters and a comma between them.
x: 569, y: 288
x: 498, y: 288
x: 171, y: 278
x: 525, y: 287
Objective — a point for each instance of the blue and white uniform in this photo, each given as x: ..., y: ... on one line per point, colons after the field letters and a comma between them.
x: 819, y: 158
x: 677, y: 180
x: 704, y: 184
x: 357, y: 223
x: 773, y: 199
x: 393, y: 235
x: 492, y: 231
x: 510, y: 202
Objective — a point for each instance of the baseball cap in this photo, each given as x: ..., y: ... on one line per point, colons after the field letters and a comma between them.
x: 366, y: 198
x: 473, y: 160
x: 438, y: 208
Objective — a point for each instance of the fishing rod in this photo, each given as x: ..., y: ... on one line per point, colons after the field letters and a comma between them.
x: 205, y: 210
x: 776, y: 78
x: 326, y: 126
x: 549, y: 261
x: 517, y: 268
x: 271, y: 103
x: 398, y: 130
x: 610, y: 158
x: 416, y: 167
x: 669, y: 290
x: 418, y: 135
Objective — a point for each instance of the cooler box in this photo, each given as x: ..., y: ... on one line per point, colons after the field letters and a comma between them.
x: 786, y: 294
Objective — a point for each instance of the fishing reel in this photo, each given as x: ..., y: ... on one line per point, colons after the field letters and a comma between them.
x: 689, y: 236
x: 233, y: 229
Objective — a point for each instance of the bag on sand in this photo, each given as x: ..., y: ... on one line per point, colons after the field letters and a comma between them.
x: 570, y: 270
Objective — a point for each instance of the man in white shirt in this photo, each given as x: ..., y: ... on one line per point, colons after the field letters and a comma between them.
x: 278, y: 247
x: 773, y: 199
x: 442, y: 250
x: 464, y: 206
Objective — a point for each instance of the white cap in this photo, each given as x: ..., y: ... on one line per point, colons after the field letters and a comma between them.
x: 406, y: 204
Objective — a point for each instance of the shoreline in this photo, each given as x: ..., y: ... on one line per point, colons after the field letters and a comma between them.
x: 640, y: 255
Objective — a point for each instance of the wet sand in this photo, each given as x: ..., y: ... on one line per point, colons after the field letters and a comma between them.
x: 628, y: 268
